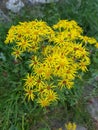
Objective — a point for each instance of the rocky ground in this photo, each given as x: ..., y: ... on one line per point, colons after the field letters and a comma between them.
x: 92, y: 108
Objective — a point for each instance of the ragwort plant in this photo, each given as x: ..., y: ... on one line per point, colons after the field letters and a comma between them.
x: 56, y: 57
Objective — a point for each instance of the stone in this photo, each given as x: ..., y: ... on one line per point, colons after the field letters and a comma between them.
x: 92, y: 108
x: 81, y: 128
x: 14, y: 5
x: 42, y: 1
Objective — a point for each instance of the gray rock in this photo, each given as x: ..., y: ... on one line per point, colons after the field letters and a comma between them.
x: 42, y: 1
x: 93, y: 108
x: 14, y: 5
x: 81, y: 128
x: 3, y: 17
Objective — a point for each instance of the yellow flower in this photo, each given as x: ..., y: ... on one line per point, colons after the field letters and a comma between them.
x: 23, y: 44
x: 29, y: 93
x: 48, y: 50
x: 11, y: 35
x: 29, y: 81
x: 49, y: 86
x: 47, y: 72
x: 33, y: 47
x: 89, y: 40
x: 65, y: 83
x: 44, y: 102
x: 59, y: 40
x: 70, y: 73
x: 34, y: 61
x: 52, y: 96
x: 40, y: 84
x: 63, y: 62
x: 83, y: 65
x: 40, y: 88
x: 80, y: 51
x: 70, y: 126
x: 38, y: 71
x: 49, y: 60
x: 60, y: 128
x: 17, y: 52
x: 9, y: 39
x: 96, y: 45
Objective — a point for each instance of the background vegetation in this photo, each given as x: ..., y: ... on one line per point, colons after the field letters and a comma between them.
x: 15, y: 113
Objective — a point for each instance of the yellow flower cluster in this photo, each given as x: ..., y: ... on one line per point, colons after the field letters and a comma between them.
x: 26, y: 36
x: 57, y: 55
x: 69, y: 126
